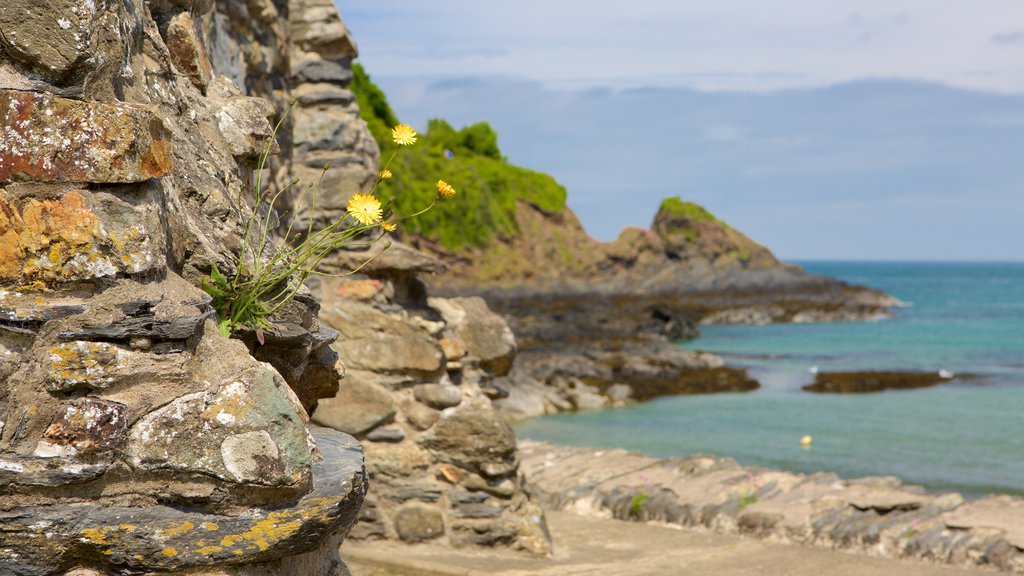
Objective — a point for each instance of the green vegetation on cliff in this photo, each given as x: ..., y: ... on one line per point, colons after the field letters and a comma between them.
x: 676, y: 207
x: 470, y: 160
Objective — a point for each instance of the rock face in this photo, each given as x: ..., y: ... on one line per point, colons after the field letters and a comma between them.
x: 876, y: 516
x: 133, y: 437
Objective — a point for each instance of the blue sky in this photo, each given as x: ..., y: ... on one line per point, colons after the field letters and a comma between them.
x: 866, y: 130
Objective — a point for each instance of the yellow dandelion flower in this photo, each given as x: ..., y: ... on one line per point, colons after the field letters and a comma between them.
x: 445, y: 189
x: 403, y: 135
x: 384, y: 174
x: 389, y: 226
x: 365, y: 208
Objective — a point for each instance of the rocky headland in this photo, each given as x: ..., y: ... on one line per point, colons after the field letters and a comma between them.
x: 599, y: 331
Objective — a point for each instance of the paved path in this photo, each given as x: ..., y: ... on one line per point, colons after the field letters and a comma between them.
x: 587, y: 546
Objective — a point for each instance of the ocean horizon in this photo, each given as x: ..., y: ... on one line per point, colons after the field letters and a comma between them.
x: 966, y: 435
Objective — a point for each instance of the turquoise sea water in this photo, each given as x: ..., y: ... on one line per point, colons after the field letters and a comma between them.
x: 968, y: 437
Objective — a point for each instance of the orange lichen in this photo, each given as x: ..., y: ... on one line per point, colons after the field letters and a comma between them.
x: 37, y: 240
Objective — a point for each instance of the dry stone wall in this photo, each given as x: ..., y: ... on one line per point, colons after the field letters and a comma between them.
x: 133, y: 437
x: 418, y: 384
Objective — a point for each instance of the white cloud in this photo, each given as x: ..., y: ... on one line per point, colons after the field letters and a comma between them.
x: 724, y: 45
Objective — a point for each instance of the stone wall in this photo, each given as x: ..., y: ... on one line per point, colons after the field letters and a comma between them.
x: 444, y: 465
x: 133, y: 437
x: 417, y: 390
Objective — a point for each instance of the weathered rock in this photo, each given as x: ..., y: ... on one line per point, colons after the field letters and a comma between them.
x: 249, y: 429
x: 52, y: 139
x: 420, y: 416
x: 483, y: 334
x: 377, y: 342
x: 243, y: 121
x: 438, y: 395
x: 187, y: 50
x: 417, y: 523
x: 876, y: 516
x: 322, y: 71
x: 360, y: 405
x: 50, y: 38
x: 87, y: 426
x: 473, y: 437
x: 160, y: 538
x: 386, y: 434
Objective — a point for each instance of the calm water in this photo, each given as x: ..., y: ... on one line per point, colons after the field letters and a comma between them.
x: 967, y: 318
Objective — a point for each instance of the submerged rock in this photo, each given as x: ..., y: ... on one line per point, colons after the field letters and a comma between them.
x: 876, y: 381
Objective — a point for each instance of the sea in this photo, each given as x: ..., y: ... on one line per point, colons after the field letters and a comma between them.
x: 965, y: 436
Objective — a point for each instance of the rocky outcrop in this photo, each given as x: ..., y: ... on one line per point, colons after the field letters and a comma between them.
x: 606, y: 314
x: 877, y: 381
x: 877, y: 516
x: 689, y: 264
x: 133, y: 437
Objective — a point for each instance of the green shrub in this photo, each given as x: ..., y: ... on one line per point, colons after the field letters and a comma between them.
x: 488, y: 185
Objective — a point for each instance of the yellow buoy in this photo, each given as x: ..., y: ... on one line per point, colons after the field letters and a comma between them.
x: 806, y: 441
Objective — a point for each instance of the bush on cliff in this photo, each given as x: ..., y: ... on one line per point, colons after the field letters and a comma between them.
x: 470, y: 158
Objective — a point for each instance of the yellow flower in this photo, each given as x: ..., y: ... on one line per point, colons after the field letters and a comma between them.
x: 364, y: 208
x: 445, y: 189
x: 389, y: 226
x: 384, y: 174
x: 403, y: 135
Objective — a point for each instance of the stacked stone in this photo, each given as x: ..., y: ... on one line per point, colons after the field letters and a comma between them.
x: 418, y: 392
x: 879, y: 516
x: 133, y: 437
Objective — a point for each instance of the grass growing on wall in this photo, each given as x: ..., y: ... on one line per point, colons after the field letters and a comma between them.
x: 471, y: 161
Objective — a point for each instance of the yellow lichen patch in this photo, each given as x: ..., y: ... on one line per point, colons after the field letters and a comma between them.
x: 83, y: 362
x: 230, y: 540
x: 210, y: 526
x: 183, y: 528
x: 96, y: 535
x: 169, y: 552
x: 207, y: 550
x: 39, y: 238
x: 129, y: 528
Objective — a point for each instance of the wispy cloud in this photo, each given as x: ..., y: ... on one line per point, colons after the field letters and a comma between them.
x: 1015, y: 37
x: 723, y: 45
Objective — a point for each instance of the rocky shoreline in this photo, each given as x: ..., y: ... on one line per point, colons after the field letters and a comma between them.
x: 876, y: 516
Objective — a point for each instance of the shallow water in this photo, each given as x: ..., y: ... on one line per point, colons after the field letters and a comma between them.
x: 969, y: 437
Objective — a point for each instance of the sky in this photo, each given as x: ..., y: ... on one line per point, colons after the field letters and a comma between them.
x: 862, y: 130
